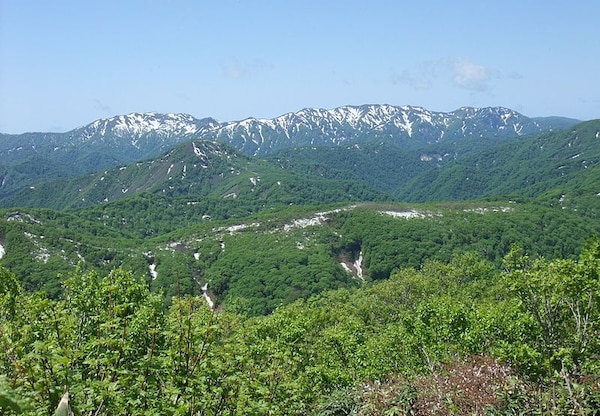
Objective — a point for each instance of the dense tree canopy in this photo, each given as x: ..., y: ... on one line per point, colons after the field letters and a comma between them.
x: 452, y: 337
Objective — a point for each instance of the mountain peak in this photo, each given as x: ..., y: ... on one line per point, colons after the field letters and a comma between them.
x: 135, y: 125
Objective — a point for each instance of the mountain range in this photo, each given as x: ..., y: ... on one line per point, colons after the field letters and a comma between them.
x: 31, y: 158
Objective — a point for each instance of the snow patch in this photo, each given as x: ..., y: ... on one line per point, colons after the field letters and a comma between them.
x: 43, y: 255
x: 428, y: 158
x: 17, y: 216
x: 483, y: 210
x: 405, y: 124
x: 358, y: 266
x: 198, y: 151
x: 238, y: 227
x: 404, y: 214
x: 206, y: 296
x: 346, y: 267
x: 153, y: 271
x: 518, y: 128
x: 177, y: 246
x: 2, y: 251
x: 318, y: 219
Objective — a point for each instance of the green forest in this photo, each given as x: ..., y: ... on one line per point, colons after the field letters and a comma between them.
x: 268, y: 259
x: 457, y: 337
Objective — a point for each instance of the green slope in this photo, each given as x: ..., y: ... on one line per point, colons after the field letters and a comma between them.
x: 196, y: 170
x: 562, y: 159
x: 261, y: 261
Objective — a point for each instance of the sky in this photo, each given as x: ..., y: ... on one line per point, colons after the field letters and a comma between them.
x: 66, y: 63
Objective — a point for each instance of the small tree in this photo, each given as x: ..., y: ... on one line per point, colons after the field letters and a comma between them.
x: 563, y: 296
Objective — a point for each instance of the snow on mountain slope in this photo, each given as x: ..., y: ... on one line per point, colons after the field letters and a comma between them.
x: 104, y: 143
x: 415, y: 125
x: 135, y: 126
x: 136, y: 136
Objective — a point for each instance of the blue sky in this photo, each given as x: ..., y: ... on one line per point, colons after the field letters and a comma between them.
x: 65, y: 63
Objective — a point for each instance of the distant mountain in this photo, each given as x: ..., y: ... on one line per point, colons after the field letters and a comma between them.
x: 121, y: 138
x: 557, y: 163
x: 407, y: 127
x: 102, y: 144
x: 565, y: 164
x: 196, y: 169
x: 379, y: 165
x: 29, y: 158
x: 555, y: 123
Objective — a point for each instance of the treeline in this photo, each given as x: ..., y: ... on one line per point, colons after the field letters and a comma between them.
x: 455, y: 337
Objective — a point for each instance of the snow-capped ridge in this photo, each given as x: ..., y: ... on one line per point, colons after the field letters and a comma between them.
x: 332, y: 127
x: 135, y: 125
x: 138, y: 136
x: 314, y: 126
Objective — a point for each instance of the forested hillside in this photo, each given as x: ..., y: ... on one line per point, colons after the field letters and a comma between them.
x: 455, y: 337
x: 564, y: 161
x: 276, y: 256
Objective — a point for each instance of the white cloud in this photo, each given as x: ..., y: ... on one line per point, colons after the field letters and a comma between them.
x: 416, y: 81
x: 470, y: 76
x: 461, y: 73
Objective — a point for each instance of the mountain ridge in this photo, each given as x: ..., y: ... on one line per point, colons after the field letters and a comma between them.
x: 527, y: 168
x: 196, y: 169
x: 397, y: 124
x: 122, y: 139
